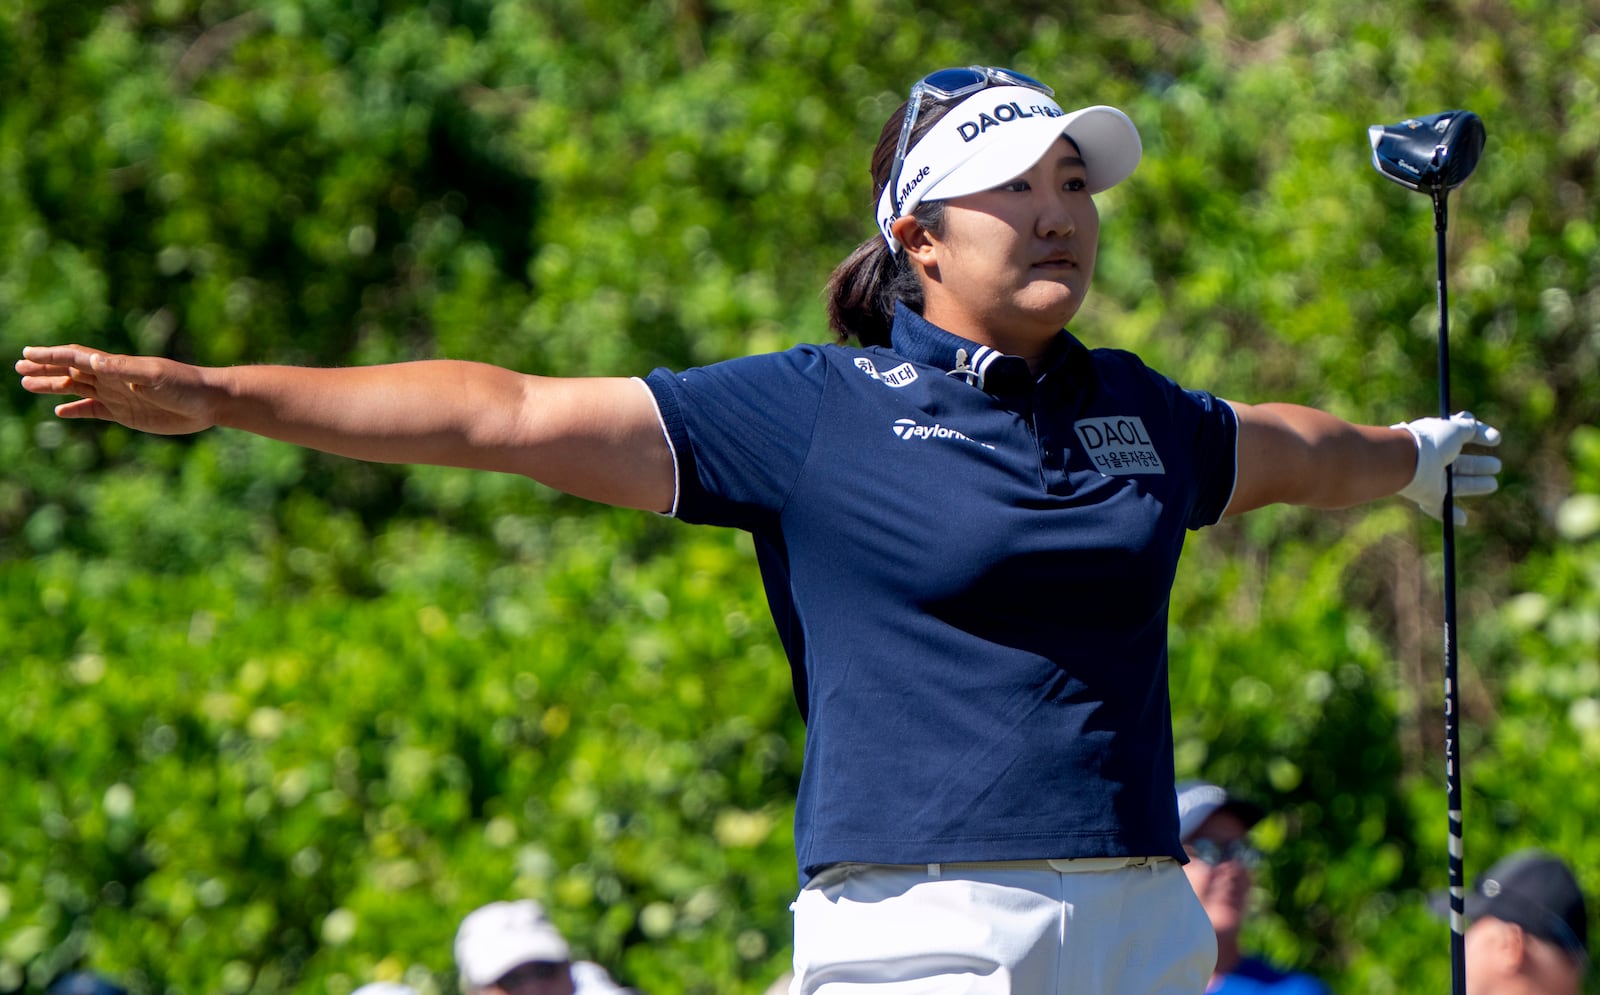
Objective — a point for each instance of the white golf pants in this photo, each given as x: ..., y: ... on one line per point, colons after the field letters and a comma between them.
x: 1101, y: 926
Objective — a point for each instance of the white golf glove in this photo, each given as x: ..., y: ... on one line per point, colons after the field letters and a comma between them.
x: 1439, y: 443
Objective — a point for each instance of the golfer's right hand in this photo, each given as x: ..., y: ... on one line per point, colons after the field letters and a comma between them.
x: 1439, y: 445
x: 142, y: 392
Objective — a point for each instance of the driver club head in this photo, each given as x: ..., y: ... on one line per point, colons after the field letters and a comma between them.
x: 1432, y: 154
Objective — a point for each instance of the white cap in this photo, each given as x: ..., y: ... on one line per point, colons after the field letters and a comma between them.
x: 502, y: 936
x: 385, y: 988
x: 996, y: 135
x: 1198, y: 801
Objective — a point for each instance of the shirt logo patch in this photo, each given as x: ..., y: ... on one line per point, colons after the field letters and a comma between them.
x: 1118, y: 445
x: 910, y: 431
x: 901, y: 376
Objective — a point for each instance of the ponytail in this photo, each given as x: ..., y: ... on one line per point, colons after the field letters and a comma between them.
x: 862, y: 291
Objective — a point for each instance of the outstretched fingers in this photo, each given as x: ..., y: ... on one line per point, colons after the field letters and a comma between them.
x: 57, y: 370
x: 89, y: 373
x: 56, y: 383
x: 143, y: 392
x: 85, y: 365
x: 85, y: 407
x: 53, y: 378
x: 60, y: 357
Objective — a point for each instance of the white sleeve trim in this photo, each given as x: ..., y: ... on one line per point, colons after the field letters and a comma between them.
x: 662, y: 422
x: 1235, y: 488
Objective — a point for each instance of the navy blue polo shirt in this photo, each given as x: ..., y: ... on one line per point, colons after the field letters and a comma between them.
x: 969, y: 567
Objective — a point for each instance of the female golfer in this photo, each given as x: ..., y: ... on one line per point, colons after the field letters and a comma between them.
x: 967, y: 525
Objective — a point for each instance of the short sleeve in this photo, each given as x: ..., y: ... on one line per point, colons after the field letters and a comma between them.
x: 741, y: 431
x: 1216, y: 455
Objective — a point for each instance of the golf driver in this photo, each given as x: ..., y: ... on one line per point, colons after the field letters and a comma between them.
x: 1434, y: 155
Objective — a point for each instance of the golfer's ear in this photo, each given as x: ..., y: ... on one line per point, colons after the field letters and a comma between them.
x: 915, y: 240
x: 1508, y: 941
x: 1516, y: 944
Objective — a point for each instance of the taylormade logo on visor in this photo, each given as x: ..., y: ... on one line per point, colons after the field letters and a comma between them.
x: 922, y: 174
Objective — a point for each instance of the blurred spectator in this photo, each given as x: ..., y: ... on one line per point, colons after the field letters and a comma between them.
x: 84, y: 983
x: 1529, y: 933
x: 1214, y: 828
x: 513, y: 948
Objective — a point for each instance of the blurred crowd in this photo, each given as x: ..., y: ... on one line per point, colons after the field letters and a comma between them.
x: 1528, y: 931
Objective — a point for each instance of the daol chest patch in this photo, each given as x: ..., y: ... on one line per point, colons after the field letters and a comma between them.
x: 1118, y: 445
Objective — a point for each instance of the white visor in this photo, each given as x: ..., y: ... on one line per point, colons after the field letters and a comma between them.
x: 996, y: 135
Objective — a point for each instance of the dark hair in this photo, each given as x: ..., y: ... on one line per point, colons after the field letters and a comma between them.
x: 863, y: 289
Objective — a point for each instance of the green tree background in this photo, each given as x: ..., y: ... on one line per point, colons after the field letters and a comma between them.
x: 274, y: 721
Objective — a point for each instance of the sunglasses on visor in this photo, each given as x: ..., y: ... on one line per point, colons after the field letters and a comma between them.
x: 948, y: 84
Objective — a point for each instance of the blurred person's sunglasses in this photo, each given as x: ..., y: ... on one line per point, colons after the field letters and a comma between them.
x: 949, y: 84
x: 534, y: 972
x: 1211, y: 853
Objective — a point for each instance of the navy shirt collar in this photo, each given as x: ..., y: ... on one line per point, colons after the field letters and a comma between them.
x: 921, y: 341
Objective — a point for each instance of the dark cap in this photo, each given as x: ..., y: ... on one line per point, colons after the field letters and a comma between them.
x: 1198, y: 801
x: 1534, y: 890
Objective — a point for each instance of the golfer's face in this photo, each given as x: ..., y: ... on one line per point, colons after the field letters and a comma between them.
x: 1018, y: 257
x: 1224, y: 887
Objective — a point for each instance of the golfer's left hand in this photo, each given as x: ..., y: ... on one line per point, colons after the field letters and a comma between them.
x: 1439, y: 445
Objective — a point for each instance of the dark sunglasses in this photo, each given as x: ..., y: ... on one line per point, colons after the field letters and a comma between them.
x: 1212, y: 853
x: 948, y: 84
x: 531, y: 973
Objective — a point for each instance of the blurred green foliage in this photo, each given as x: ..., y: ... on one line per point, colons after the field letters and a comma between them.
x: 275, y: 721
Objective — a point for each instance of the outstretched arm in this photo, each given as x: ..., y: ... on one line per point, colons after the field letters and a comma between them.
x: 1299, y: 455
x: 597, y: 438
